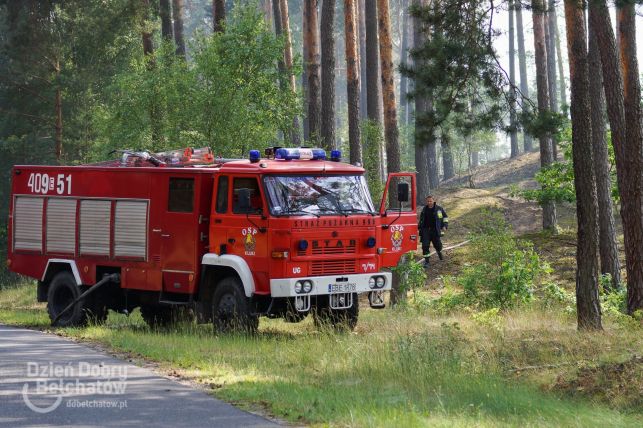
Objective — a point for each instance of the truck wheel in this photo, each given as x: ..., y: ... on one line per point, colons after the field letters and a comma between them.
x: 62, y: 291
x: 231, y: 308
x: 339, y: 320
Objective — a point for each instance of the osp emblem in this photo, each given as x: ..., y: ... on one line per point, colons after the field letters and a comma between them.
x: 249, y: 240
x: 397, y: 236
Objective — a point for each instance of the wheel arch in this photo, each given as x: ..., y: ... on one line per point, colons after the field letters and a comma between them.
x: 219, y: 267
x: 55, y: 266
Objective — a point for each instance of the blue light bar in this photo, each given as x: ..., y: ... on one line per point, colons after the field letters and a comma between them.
x: 335, y: 155
x: 294, y: 154
x: 255, y: 156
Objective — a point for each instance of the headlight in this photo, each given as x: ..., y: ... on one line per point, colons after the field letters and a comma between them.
x: 380, y: 281
x: 371, y: 282
x: 307, y: 286
x: 298, y: 287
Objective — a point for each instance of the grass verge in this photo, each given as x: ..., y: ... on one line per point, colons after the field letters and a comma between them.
x: 399, y: 368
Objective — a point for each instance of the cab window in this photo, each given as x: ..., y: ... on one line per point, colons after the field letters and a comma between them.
x: 222, y: 195
x: 252, y: 185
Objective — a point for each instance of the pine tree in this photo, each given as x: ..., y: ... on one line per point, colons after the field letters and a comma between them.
x: 632, y: 192
x: 218, y: 15
x: 352, y: 80
x: 587, y: 302
x: 625, y: 151
x: 546, y: 154
x: 513, y: 132
x: 522, y: 65
x: 165, y: 12
x: 312, y: 59
x: 177, y: 11
x: 391, y: 134
x: 327, y: 33
x: 608, y: 248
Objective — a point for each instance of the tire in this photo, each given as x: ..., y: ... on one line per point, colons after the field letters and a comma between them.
x: 338, y: 319
x: 62, y: 291
x: 231, y: 310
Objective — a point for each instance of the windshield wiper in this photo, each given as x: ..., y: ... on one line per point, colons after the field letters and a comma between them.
x: 289, y: 211
x: 336, y: 211
x: 359, y: 210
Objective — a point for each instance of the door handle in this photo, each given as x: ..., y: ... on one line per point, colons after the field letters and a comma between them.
x: 156, y: 230
x: 165, y: 235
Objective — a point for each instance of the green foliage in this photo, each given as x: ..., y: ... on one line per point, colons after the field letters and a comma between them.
x: 544, y: 123
x: 455, y: 67
x: 412, y: 274
x: 227, y: 97
x: 506, y: 269
x: 372, y: 140
x: 489, y: 318
x: 554, y: 295
x: 557, y: 180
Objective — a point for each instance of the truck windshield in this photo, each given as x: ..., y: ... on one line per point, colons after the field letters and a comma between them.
x: 318, y: 195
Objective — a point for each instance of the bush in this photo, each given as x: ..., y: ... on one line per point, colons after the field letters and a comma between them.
x: 505, y: 270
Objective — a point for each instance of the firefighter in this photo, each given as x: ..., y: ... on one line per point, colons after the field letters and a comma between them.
x: 433, y: 223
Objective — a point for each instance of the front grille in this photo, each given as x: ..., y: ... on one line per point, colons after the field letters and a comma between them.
x: 348, y: 249
x: 333, y: 267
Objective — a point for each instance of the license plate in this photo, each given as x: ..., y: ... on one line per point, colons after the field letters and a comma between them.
x: 342, y: 288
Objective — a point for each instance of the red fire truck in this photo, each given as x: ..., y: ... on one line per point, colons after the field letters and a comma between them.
x: 284, y: 235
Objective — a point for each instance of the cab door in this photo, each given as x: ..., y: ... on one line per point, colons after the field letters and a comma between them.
x: 398, y: 229
x: 239, y: 231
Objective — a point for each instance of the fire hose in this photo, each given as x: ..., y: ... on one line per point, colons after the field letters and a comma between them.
x: 114, y: 277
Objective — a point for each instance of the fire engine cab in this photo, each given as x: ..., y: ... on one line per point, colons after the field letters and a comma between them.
x: 286, y: 234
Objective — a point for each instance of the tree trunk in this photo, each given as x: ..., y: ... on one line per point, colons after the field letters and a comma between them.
x: 421, y: 108
x: 165, y: 13
x: 550, y: 45
x: 393, y: 161
x: 631, y: 214
x: 328, y: 74
x: 148, y: 45
x: 352, y: 81
x: 561, y: 72
x: 177, y: 11
x: 522, y: 65
x: 513, y: 131
x: 587, y: 301
x: 546, y: 155
x: 363, y: 104
x: 607, y: 234
x: 373, y: 84
x: 550, y: 34
x: 447, y: 156
x: 632, y: 194
x: 311, y: 41
x: 285, y: 27
x: 404, y: 55
x: 475, y: 159
x: 218, y: 15
x: 59, y: 123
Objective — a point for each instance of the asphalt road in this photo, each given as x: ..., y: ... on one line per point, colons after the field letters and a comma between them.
x: 48, y: 381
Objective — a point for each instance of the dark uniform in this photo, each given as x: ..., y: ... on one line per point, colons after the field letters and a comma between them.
x: 432, y: 221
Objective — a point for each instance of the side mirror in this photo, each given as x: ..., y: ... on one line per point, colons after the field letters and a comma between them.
x: 245, y: 205
x: 402, y: 192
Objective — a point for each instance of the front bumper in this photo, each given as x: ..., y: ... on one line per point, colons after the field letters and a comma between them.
x: 333, y: 284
